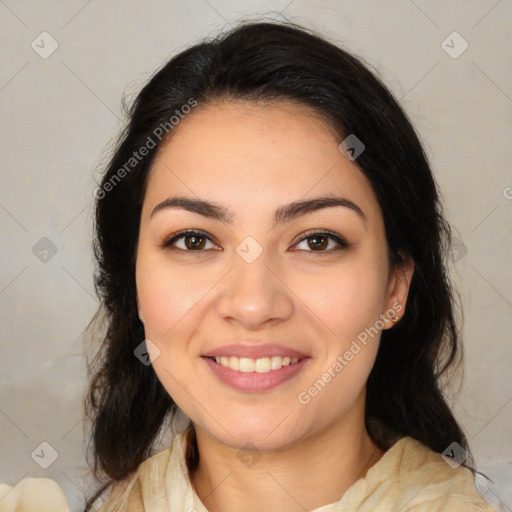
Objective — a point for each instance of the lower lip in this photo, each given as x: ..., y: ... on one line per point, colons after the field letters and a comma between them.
x: 253, y: 381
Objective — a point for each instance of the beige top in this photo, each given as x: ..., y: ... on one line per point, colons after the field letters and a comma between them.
x: 409, y: 477
x: 31, y: 495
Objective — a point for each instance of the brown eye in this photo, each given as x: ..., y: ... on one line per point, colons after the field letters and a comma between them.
x: 194, y: 242
x: 191, y: 241
x: 318, y: 241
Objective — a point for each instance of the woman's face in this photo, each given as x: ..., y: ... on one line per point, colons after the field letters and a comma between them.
x: 258, y: 294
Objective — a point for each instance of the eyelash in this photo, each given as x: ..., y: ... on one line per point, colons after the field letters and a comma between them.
x: 169, y: 241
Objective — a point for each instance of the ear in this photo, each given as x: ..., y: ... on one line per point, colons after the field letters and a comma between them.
x: 398, y: 290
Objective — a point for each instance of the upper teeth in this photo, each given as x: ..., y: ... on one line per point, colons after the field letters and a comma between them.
x: 261, y: 365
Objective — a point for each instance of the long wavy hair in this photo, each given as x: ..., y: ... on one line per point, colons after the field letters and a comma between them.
x: 276, y: 61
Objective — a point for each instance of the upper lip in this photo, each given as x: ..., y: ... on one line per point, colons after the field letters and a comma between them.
x: 254, y: 351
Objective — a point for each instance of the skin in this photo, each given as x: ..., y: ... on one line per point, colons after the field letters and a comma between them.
x: 253, y: 158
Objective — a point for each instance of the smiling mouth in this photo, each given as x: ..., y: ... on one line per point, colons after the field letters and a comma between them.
x: 260, y: 365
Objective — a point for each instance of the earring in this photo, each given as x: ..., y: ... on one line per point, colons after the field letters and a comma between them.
x: 141, y: 326
x: 395, y: 318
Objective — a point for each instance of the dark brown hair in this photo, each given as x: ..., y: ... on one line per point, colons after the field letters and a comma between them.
x: 277, y: 61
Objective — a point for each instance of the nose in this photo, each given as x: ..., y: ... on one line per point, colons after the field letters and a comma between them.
x: 254, y: 295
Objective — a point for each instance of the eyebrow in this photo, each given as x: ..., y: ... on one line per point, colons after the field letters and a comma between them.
x: 281, y: 215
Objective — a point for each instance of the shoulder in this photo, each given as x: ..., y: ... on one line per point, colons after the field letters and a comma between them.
x: 413, y: 478
x: 127, y: 494
x: 43, y: 494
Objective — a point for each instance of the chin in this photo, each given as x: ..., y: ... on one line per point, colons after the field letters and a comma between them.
x: 260, y: 432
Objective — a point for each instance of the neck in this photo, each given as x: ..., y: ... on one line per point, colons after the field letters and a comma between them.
x: 315, y: 472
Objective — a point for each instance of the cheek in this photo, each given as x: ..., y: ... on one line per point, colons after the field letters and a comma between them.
x: 172, y: 299
x: 346, y: 300
x: 165, y: 300
x: 348, y: 303
x: 167, y: 295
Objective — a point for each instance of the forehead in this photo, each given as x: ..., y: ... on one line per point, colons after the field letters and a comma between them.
x: 247, y: 156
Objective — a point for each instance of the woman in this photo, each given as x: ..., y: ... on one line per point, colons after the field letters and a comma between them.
x: 271, y: 254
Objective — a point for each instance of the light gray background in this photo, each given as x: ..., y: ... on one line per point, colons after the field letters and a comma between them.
x: 58, y: 115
